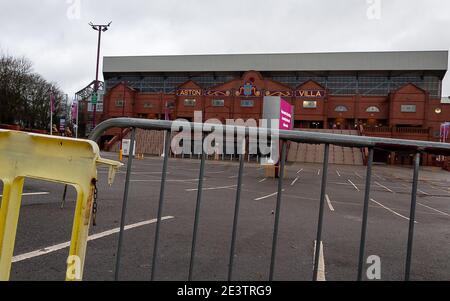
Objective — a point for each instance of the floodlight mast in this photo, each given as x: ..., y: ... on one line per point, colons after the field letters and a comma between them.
x: 100, y: 28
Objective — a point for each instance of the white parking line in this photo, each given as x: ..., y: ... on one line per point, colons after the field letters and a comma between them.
x: 236, y: 176
x: 213, y: 188
x: 434, y: 209
x: 267, y: 196
x: 329, y: 202
x: 300, y: 171
x: 135, y: 172
x: 382, y: 186
x: 358, y: 175
x: 295, y: 181
x: 215, y: 172
x: 423, y: 192
x: 337, y: 171
x: 189, y: 180
x: 356, y: 187
x: 440, y: 189
x: 321, y: 267
x: 378, y: 177
x: 392, y: 211
x: 55, y: 248
x: 263, y: 180
x: 32, y: 193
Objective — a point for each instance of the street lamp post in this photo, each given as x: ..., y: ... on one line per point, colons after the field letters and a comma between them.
x: 100, y: 29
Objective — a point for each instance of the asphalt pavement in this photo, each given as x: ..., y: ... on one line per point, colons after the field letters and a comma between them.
x: 44, y: 226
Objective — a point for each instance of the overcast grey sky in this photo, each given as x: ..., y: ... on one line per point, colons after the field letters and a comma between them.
x: 54, y: 33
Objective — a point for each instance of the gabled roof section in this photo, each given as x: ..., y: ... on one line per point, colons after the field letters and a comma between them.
x: 190, y: 84
x: 310, y: 84
x: 408, y: 86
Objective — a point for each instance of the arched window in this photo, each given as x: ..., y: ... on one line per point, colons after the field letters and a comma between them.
x: 341, y: 109
x: 373, y: 109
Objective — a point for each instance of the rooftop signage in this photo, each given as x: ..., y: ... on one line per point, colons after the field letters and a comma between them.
x: 189, y: 92
x: 310, y: 93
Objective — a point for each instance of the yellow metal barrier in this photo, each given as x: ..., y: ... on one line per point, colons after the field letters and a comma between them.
x: 55, y: 159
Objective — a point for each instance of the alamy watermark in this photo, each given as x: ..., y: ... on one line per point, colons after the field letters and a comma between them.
x: 74, y: 9
x: 374, y: 9
x: 374, y: 270
x: 214, y: 137
x: 74, y: 268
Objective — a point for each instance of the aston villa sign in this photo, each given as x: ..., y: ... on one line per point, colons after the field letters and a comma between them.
x: 189, y: 92
x: 310, y: 93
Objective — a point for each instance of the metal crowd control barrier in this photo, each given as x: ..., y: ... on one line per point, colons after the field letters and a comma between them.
x: 53, y: 159
x: 411, y: 146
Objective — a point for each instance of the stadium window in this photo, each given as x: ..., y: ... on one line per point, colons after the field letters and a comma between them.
x: 119, y: 103
x: 310, y: 104
x: 190, y: 102
x: 408, y: 108
x: 247, y: 103
x: 373, y: 109
x: 341, y: 109
x: 218, y: 102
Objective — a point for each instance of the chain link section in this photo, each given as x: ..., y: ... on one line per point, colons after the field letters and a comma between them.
x: 95, y: 204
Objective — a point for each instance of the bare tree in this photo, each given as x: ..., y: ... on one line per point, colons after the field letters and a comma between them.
x: 25, y: 95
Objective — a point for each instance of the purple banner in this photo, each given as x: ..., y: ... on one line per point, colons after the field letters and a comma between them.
x: 286, y: 111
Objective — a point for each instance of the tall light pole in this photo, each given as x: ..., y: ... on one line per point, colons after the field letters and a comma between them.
x: 100, y: 29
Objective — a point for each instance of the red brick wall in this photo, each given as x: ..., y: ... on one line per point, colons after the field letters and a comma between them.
x: 425, y: 116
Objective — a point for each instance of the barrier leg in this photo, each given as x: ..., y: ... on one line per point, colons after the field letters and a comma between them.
x: 80, y: 232
x: 9, y: 217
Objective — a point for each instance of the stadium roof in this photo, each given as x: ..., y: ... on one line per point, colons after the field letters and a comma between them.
x: 433, y: 61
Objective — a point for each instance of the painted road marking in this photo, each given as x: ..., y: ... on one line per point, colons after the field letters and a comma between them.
x: 382, y: 186
x: 263, y: 180
x: 358, y: 175
x: 215, y: 172
x: 392, y: 211
x: 440, y: 189
x: 136, y: 172
x: 267, y: 196
x: 434, y: 209
x: 318, y: 172
x: 32, y: 193
x: 300, y: 171
x: 423, y: 192
x: 329, y: 202
x: 339, y: 183
x: 337, y: 171
x: 213, y: 188
x: 378, y: 177
x: 356, y: 187
x: 58, y: 247
x: 235, y: 177
x: 189, y: 180
x: 295, y: 181
x: 321, y: 266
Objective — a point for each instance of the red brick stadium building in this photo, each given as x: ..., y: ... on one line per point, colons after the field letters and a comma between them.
x: 385, y: 94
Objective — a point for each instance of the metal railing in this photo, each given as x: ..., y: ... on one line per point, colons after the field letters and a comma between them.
x: 371, y: 143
